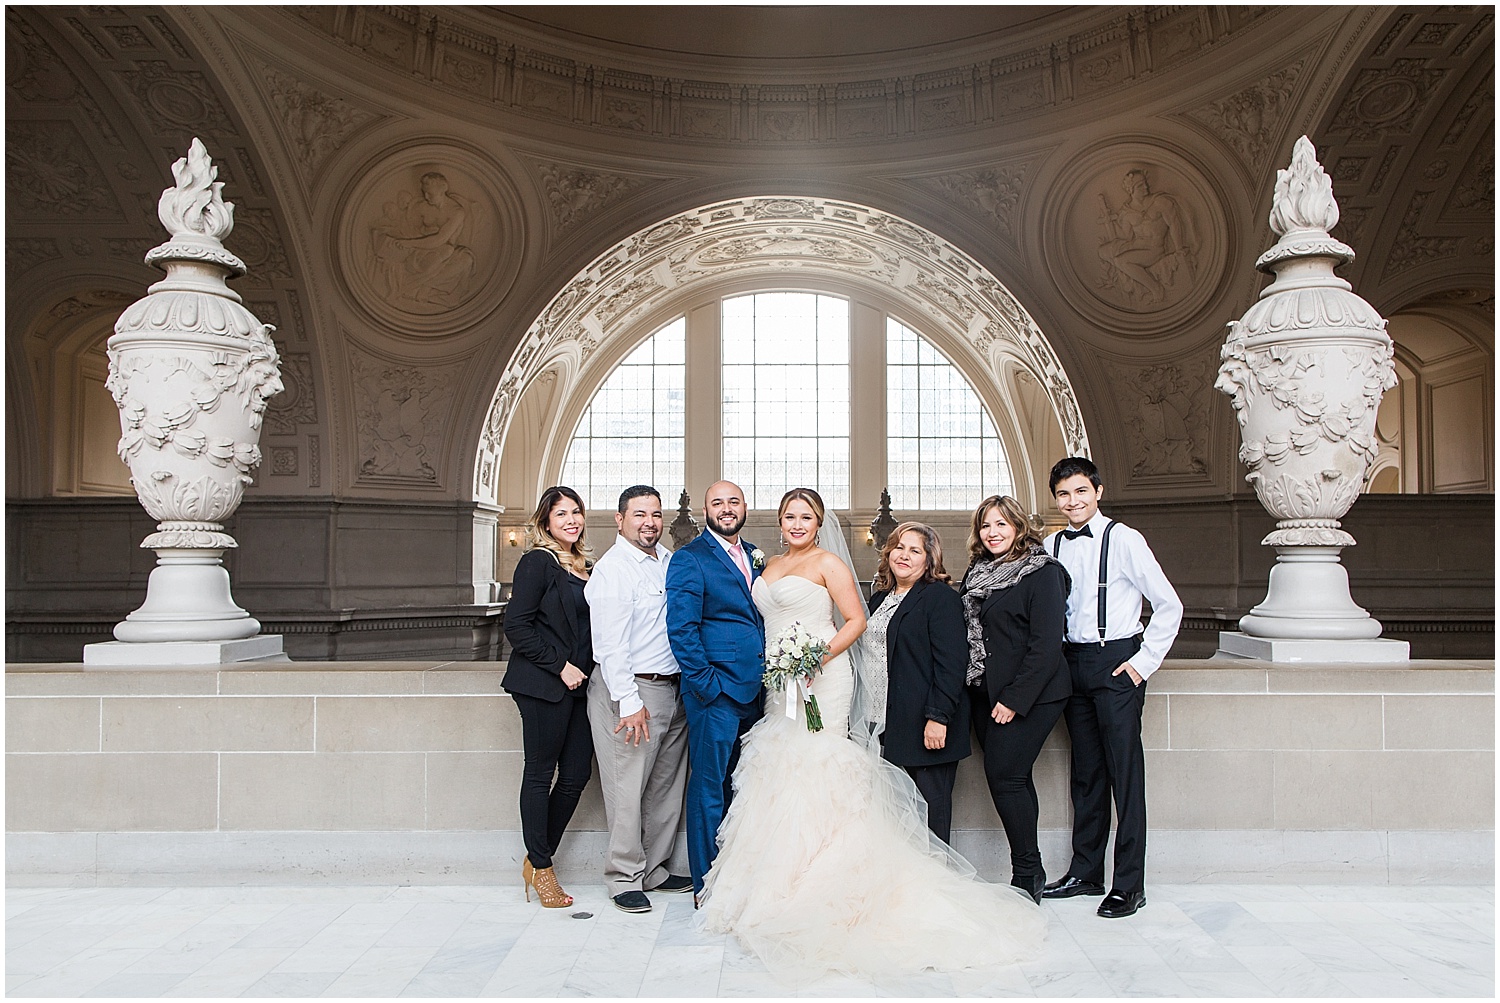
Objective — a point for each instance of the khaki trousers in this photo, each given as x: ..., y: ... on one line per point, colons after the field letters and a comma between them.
x: 642, y: 785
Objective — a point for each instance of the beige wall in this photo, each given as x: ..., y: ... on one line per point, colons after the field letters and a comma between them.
x: 428, y: 755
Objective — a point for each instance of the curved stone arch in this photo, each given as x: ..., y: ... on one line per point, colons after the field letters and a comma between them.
x: 63, y: 317
x: 784, y: 240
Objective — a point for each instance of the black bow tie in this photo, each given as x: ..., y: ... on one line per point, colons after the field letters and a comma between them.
x: 1073, y: 534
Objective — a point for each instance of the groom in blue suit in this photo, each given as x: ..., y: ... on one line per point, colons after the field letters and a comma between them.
x: 718, y: 639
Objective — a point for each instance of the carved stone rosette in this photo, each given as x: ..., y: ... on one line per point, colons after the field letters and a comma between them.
x: 1306, y: 368
x: 191, y: 369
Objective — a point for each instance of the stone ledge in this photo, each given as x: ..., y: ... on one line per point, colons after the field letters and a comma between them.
x: 1249, y: 856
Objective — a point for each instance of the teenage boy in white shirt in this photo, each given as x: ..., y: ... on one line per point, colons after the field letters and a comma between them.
x: 1110, y: 656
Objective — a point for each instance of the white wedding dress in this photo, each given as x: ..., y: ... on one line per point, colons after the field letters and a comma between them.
x: 824, y: 864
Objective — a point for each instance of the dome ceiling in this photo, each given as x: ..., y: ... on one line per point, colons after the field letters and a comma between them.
x: 787, y: 32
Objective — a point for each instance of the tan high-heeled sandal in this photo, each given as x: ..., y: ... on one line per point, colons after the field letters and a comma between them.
x: 548, y: 891
x: 526, y: 873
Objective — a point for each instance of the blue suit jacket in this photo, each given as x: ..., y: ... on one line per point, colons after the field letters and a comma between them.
x: 716, y: 633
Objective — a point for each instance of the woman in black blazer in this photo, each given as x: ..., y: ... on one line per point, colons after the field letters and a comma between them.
x: 547, y: 625
x: 1015, y: 602
x: 918, y: 620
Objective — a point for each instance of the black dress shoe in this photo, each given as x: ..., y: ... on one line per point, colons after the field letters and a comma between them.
x: 1118, y: 905
x: 1067, y: 886
x: 1031, y: 885
x: 632, y: 901
x: 675, y: 883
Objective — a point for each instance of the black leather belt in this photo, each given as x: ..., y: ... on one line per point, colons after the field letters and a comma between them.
x: 660, y: 677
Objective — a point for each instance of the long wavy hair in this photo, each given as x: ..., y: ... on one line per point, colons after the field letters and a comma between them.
x: 576, y: 557
x: 1012, y: 512
x: 931, y: 542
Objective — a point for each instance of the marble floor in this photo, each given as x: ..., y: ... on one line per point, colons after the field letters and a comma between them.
x: 1190, y: 940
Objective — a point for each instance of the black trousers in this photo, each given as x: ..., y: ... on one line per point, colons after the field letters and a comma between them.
x: 556, y: 743
x: 935, y: 783
x: 1104, y: 723
x: 1010, y: 752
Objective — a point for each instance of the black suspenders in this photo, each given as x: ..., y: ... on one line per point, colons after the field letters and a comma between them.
x: 1103, y: 570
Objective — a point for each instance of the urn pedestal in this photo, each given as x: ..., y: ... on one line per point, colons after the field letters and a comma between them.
x: 1306, y: 368
x: 190, y: 369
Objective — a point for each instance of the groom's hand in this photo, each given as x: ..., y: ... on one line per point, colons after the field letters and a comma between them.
x: 935, y: 735
x: 635, y: 727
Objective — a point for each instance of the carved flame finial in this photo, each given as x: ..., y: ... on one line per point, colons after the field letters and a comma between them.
x: 1304, y: 194
x: 196, y: 207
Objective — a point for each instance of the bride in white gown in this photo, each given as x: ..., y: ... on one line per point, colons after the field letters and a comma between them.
x: 825, y: 859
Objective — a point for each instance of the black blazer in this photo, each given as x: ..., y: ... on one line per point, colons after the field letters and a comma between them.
x: 926, y: 654
x: 541, y: 624
x: 1023, y: 640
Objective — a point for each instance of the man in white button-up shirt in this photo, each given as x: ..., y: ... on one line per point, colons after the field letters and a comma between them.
x: 1109, y: 667
x: 639, y: 728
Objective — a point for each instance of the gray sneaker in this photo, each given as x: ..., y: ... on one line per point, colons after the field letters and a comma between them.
x: 632, y: 901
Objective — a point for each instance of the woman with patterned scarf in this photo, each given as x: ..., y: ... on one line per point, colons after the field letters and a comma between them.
x: 1015, y: 597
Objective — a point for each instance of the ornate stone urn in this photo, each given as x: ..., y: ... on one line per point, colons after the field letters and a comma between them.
x: 1306, y: 368
x: 191, y: 370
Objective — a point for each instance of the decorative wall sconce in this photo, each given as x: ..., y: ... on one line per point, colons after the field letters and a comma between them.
x: 510, y: 538
x: 869, y: 537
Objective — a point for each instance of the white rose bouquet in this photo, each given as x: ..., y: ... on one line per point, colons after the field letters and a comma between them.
x: 793, y: 658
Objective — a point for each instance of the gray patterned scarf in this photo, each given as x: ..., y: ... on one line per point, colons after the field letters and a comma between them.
x: 984, y: 579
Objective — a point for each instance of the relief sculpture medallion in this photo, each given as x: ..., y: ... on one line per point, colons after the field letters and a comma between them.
x: 429, y: 241
x: 1135, y: 239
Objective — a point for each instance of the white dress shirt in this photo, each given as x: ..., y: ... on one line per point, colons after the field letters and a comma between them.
x: 627, y: 595
x: 1133, y: 573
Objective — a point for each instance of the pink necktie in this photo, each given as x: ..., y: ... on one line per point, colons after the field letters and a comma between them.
x: 739, y: 559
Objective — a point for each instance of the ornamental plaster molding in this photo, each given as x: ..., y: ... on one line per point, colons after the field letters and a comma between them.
x: 22, y: 254
x: 297, y: 404
x: 1138, y: 240
x: 430, y: 240
x: 1388, y: 100
x: 1414, y: 245
x: 177, y: 99
x: 785, y: 237
x: 1166, y: 409
x: 494, y: 62
x: 43, y: 78
x: 50, y: 173
x: 1249, y: 120
x: 574, y: 192
x: 261, y: 246
x: 1474, y: 195
x: 991, y: 192
x: 314, y: 124
x: 400, y: 412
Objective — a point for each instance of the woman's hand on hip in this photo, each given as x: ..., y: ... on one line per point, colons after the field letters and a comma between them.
x: 572, y: 676
x: 935, y: 735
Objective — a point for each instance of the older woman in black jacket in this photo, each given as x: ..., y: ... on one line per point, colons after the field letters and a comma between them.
x: 547, y: 624
x: 1015, y: 599
x: 918, y: 620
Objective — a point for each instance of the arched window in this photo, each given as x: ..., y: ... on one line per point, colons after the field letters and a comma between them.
x: 632, y: 431
x: 786, y: 395
x: 942, y: 451
x: 785, y: 373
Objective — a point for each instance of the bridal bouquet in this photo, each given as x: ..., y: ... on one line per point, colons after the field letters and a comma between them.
x: 793, y: 658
